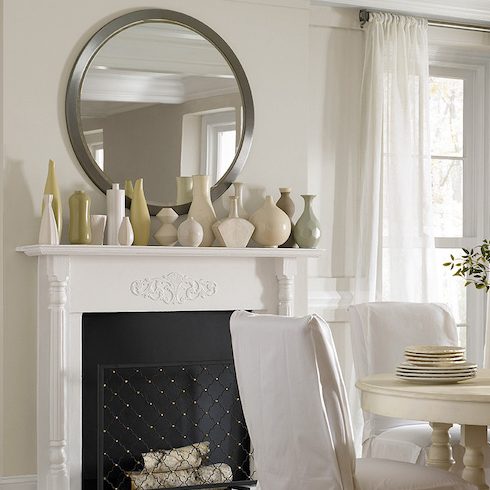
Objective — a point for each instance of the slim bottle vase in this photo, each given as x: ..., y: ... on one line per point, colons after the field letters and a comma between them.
x: 202, y: 209
x: 139, y: 215
x: 307, y: 230
x: 235, y: 231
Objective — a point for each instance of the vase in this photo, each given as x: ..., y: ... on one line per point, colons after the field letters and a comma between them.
x: 125, y: 235
x: 115, y: 213
x: 307, y: 229
x: 97, y: 227
x: 190, y: 233
x: 287, y: 205
x: 184, y: 190
x: 48, y: 230
x: 235, y: 231
x: 202, y: 209
x: 167, y: 233
x: 272, y: 225
x: 79, y: 231
x: 128, y: 188
x: 139, y: 215
x: 239, y: 194
x: 51, y: 187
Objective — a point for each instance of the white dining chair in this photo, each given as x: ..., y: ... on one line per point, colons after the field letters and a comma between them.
x: 380, y: 331
x: 295, y: 407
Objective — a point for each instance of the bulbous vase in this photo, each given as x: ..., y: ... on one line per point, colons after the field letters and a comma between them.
x: 272, y: 225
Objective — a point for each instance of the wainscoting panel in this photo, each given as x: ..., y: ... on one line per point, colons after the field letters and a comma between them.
x: 23, y: 482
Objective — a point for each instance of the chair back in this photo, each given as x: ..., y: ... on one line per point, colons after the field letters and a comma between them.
x: 379, y: 334
x: 294, y: 402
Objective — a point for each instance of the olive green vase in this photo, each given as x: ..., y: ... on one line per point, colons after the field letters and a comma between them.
x: 51, y: 187
x: 139, y: 215
x: 307, y: 229
x: 79, y: 231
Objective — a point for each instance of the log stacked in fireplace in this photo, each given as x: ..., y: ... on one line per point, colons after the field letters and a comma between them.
x: 179, y: 467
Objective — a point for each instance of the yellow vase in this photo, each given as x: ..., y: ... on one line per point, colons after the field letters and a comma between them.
x: 79, y: 231
x: 51, y: 187
x: 128, y: 188
x: 139, y: 215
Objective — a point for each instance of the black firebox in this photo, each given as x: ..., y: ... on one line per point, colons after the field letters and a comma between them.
x: 160, y: 403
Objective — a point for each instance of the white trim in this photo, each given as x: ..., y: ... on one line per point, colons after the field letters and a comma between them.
x: 474, y: 10
x: 22, y: 482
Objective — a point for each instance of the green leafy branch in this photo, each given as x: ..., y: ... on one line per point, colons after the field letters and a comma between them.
x: 473, y: 266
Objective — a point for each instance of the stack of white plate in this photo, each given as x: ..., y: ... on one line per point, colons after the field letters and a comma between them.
x: 435, y: 364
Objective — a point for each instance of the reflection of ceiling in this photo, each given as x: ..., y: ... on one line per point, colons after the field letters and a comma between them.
x: 157, y: 63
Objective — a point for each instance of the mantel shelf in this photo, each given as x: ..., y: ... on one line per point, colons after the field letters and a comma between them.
x: 159, y: 251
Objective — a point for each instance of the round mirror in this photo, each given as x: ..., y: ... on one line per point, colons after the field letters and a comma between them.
x: 159, y: 95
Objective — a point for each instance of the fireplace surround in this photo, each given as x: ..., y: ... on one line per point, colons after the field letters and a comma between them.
x: 73, y: 280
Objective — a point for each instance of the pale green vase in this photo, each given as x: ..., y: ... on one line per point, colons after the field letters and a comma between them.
x: 51, y: 187
x: 79, y: 231
x: 307, y: 229
x: 139, y: 215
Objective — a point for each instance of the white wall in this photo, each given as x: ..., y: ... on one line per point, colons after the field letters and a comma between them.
x: 40, y: 42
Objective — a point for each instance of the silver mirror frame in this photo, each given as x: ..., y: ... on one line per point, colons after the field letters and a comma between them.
x: 72, y: 101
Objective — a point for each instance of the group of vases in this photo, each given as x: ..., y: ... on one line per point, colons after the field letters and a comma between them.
x: 270, y: 226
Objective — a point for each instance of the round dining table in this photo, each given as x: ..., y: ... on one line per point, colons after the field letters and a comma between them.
x: 466, y: 403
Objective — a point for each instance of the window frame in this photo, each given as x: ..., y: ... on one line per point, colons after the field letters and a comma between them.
x: 474, y: 187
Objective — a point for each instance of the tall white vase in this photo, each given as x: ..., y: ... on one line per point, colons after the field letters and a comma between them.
x: 202, y: 209
x: 48, y: 231
x: 115, y: 213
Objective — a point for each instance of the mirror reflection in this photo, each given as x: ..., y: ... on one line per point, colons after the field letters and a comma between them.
x: 159, y: 101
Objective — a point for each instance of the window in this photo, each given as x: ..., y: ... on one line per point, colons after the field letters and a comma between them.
x: 457, y: 190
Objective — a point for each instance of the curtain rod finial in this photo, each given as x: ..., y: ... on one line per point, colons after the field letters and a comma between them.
x: 363, y: 17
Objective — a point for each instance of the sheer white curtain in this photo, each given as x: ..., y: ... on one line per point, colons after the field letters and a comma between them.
x: 396, y: 246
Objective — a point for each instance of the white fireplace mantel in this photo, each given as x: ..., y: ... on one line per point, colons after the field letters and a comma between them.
x: 73, y: 280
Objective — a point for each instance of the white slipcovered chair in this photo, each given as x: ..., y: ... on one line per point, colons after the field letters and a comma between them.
x: 379, y: 334
x: 294, y: 402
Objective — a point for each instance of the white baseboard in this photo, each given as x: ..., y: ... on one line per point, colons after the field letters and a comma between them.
x: 23, y: 482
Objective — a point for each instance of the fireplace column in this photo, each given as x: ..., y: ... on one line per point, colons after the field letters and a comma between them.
x: 57, y: 477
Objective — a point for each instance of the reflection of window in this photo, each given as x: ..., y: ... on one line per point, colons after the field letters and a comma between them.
x: 456, y: 192
x: 218, y: 143
x: 95, y: 143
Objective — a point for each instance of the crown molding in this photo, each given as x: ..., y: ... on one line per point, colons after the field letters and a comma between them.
x: 470, y: 10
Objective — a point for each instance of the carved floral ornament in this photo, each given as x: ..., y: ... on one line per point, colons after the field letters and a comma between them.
x: 173, y: 288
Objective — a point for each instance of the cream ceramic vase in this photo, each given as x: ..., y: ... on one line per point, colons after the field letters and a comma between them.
x: 202, y: 209
x: 167, y: 233
x: 190, y: 233
x: 48, y: 230
x: 97, y: 227
x: 234, y: 231
x: 287, y: 205
x: 125, y: 235
x: 307, y: 229
x: 272, y: 225
x: 239, y: 194
x: 79, y: 231
x: 139, y: 215
x: 184, y: 190
x: 51, y: 187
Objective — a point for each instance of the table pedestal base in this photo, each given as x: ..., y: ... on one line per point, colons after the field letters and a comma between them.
x: 440, y: 452
x: 474, y: 438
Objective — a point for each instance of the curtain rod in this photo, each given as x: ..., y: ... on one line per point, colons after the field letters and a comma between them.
x: 364, y: 17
